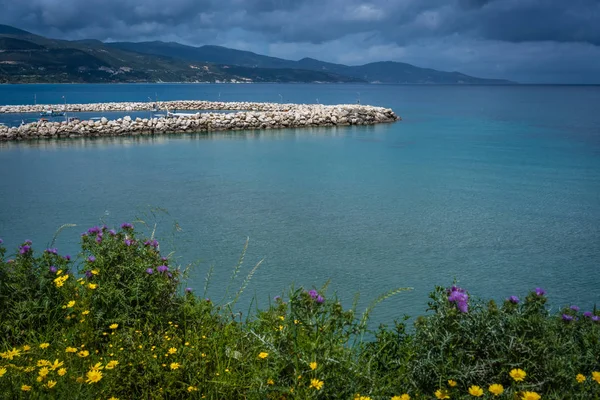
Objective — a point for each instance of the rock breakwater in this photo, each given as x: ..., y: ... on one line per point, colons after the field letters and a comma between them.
x: 250, y: 116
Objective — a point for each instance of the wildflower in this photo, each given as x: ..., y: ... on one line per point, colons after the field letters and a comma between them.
x: 567, y: 318
x: 451, y: 382
x: 595, y: 318
x: 574, y: 308
x: 71, y: 304
x: 580, y: 378
x: 496, y: 389
x: 313, y: 294
x: 97, y: 367
x: 188, y: 290
x: 93, y: 376
x: 52, y: 269
x: 67, y: 257
x: 43, y: 363
x: 540, y: 291
x: 191, y: 389
x: 405, y: 396
x: 70, y: 350
x: 92, y: 286
x: 172, y: 350
x: 86, y: 312
x: 95, y: 272
x: 517, y: 374
x: 25, y: 388
x: 57, y: 364
x: 270, y: 382
x: 10, y: 354
x: 587, y: 314
x: 83, y: 353
x: 162, y: 268
x: 460, y: 298
x: 126, y: 226
x: 320, y: 299
x: 51, y: 384
x: 62, y: 371
x: 476, y: 391
x: 128, y: 242
x: 112, y: 364
x: 88, y: 274
x: 149, y: 271
x: 174, y: 366
x: 313, y: 365
x: 530, y: 396
x: 24, y: 249
x: 596, y: 376
x: 2, y: 372
x: 317, y: 384
x: 263, y: 355
x: 91, y: 258
x: 44, y: 345
x: 513, y: 299
x: 441, y: 394
x: 114, y: 326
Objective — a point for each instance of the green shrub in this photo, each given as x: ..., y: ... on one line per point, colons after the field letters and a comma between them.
x: 118, y: 324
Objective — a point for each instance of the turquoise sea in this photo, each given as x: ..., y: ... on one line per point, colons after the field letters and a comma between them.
x: 497, y: 187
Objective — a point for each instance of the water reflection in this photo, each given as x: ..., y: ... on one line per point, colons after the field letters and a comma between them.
x: 363, y: 133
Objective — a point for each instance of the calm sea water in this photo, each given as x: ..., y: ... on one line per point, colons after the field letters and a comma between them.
x: 497, y: 187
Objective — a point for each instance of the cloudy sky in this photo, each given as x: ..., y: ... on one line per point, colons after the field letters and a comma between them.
x: 537, y: 41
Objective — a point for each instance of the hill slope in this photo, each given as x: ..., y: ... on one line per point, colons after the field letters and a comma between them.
x: 380, y: 72
x: 29, y: 58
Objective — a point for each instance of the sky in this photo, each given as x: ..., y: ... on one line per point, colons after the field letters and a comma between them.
x: 528, y: 41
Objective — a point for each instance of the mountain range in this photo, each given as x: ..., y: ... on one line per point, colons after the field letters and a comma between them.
x: 29, y: 58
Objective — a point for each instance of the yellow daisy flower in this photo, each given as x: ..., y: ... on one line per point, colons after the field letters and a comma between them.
x: 517, y: 374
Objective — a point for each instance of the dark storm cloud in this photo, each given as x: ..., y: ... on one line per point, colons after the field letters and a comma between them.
x: 338, y: 30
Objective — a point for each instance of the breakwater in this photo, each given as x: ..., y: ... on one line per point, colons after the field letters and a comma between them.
x: 250, y: 116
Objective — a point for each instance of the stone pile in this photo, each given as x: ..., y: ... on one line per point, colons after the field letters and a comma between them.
x: 257, y: 116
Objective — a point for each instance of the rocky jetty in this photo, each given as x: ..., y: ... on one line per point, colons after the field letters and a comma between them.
x: 253, y: 116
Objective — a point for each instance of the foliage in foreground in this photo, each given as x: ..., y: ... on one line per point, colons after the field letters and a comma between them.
x: 117, y: 325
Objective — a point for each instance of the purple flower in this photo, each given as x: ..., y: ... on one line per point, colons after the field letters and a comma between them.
x: 1, y: 241
x: 88, y: 274
x: 149, y: 271
x: 188, y: 290
x: 587, y: 314
x: 53, y: 269
x: 99, y: 239
x: 567, y: 318
x: 51, y: 251
x: 595, y: 318
x: 574, y: 308
x: 460, y: 298
x: 463, y: 307
x: 207, y: 300
x: 514, y: 299
x: 313, y: 294
x: 320, y: 299
x: 164, y: 258
x: 169, y: 275
x: 112, y: 232
x: 67, y: 257
x: 91, y: 258
x: 93, y: 230
x: 10, y: 261
x: 540, y: 291
x: 24, y: 249
x: 84, y: 234
x: 28, y: 242
x: 147, y: 243
x: 155, y: 243
x: 126, y: 226
x: 162, y: 268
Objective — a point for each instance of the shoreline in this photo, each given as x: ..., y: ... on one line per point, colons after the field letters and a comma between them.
x: 250, y: 116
